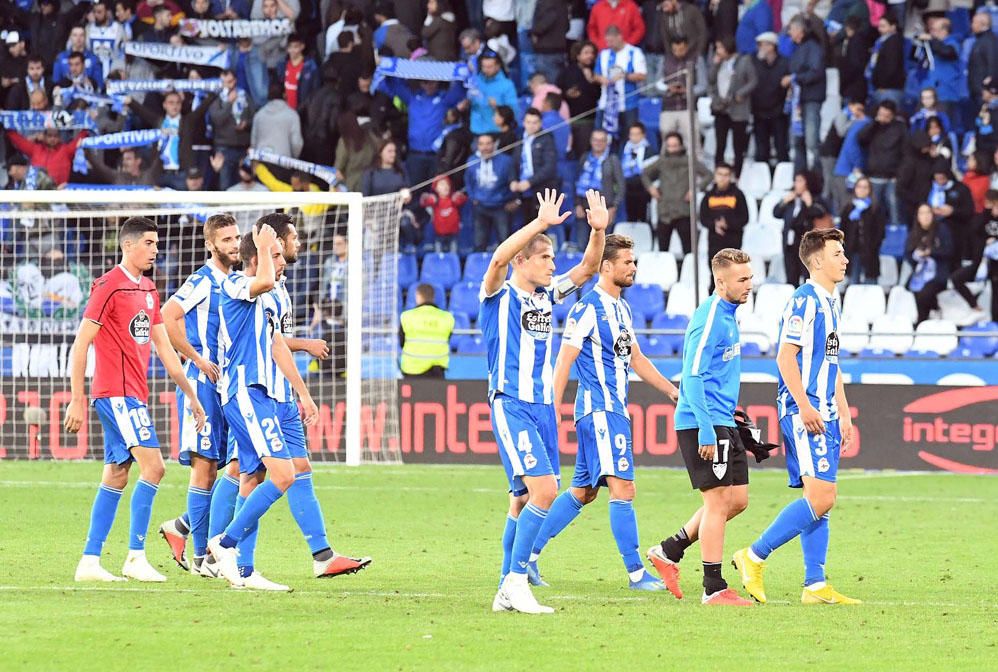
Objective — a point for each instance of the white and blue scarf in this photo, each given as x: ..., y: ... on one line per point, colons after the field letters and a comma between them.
x: 591, y: 176
x: 439, y: 142
x: 325, y: 173
x: 33, y: 120
x: 114, y: 141
x: 429, y: 71
x: 859, y: 206
x: 212, y: 56
x: 126, y: 86
x: 633, y: 157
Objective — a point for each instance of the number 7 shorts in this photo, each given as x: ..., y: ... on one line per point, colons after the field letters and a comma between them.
x: 252, y: 418
x: 604, y: 449
x: 126, y: 425
x: 527, y: 435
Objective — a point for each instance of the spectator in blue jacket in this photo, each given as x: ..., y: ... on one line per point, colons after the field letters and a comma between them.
x: 807, y: 83
x: 487, y: 184
x: 535, y: 165
x: 91, y: 64
x: 490, y: 89
x: 941, y: 69
x: 851, y: 161
x: 757, y: 19
x: 427, y: 106
x: 551, y: 119
x: 247, y: 62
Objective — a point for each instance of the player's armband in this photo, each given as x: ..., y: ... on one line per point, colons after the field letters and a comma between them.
x: 562, y: 287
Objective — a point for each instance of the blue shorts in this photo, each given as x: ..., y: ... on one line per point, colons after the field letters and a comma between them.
x: 604, y: 449
x: 809, y: 454
x: 252, y: 417
x: 127, y: 425
x: 212, y: 442
x: 527, y: 435
x: 292, y: 428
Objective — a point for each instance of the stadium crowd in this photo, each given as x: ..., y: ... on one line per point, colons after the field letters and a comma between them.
x: 874, y: 117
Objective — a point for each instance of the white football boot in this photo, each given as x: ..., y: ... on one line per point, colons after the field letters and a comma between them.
x: 137, y: 567
x: 257, y: 581
x: 89, y: 569
x: 521, y: 599
x: 225, y: 561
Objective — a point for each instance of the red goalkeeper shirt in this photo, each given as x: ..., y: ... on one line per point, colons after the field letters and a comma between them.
x: 127, y: 308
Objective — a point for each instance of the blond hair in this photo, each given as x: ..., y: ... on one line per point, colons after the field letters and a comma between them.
x: 729, y: 256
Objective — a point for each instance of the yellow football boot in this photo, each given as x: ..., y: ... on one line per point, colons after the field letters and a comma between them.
x: 751, y: 574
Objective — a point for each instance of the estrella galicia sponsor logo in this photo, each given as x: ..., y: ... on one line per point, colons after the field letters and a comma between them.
x: 287, y: 324
x: 832, y: 346
x: 537, y: 324
x: 140, y: 327
x: 954, y: 430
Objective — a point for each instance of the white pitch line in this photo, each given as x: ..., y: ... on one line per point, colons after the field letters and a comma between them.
x: 915, y: 498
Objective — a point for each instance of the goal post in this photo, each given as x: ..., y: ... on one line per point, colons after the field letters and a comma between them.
x: 356, y: 389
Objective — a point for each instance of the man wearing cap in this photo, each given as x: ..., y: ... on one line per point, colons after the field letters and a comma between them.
x: 771, y: 125
x: 15, y: 61
x: 22, y: 176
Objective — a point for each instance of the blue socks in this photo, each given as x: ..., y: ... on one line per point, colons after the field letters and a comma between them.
x: 564, y: 510
x: 223, y: 501
x: 101, y: 518
x: 791, y: 521
x: 198, y: 502
x: 508, y: 535
x: 257, y: 504
x: 246, y: 545
x: 527, y: 527
x: 307, y: 512
x: 624, y: 525
x: 814, y: 543
x: 141, y: 505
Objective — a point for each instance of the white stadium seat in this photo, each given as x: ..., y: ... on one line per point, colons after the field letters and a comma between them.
x: 754, y: 330
x: 640, y: 232
x: 680, y: 301
x: 901, y: 303
x: 864, y: 301
x: 705, y: 117
x: 761, y: 241
x: 891, y: 333
x: 755, y: 180
x: 854, y: 335
x: 937, y: 336
x: 752, y: 205
x: 888, y: 271
x: 657, y: 268
x: 766, y: 215
x: 783, y: 177
x: 686, y: 273
x: 771, y: 300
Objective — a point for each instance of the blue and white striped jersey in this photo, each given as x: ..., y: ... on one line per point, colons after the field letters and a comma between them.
x: 712, y: 359
x: 811, y: 321
x: 602, y: 329
x: 282, y: 391
x: 246, y: 337
x: 199, y: 298
x: 516, y: 326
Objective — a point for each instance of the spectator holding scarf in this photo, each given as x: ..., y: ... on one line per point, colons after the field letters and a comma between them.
x: 632, y: 158
x: 620, y: 70
x: 599, y: 169
x: 863, y: 222
x: 929, y: 249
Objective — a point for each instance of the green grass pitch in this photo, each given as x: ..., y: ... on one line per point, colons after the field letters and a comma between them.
x: 920, y: 549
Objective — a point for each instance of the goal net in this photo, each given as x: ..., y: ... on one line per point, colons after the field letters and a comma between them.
x: 344, y: 287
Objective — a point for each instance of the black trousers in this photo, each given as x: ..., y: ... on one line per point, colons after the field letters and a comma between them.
x: 772, y: 134
x: 664, y: 233
x: 792, y: 264
x: 636, y: 200
x: 739, y: 130
x: 926, y: 299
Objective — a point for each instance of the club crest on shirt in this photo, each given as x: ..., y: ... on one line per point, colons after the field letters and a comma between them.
x: 149, y: 303
x: 832, y: 346
x: 622, y: 346
x: 140, y: 327
x: 537, y: 324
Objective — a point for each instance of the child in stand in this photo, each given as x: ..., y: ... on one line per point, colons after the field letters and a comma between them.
x: 446, y: 207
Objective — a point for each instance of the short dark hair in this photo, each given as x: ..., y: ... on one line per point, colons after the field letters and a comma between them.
x: 553, y: 100
x: 295, y: 37
x: 216, y: 222
x: 726, y: 166
x: 728, y: 42
x: 638, y: 125
x: 426, y: 292
x: 853, y: 22
x: 76, y: 55
x: 533, y: 111
x: 890, y: 17
x: 344, y: 39
x: 676, y: 135
x: 136, y: 227
x: 616, y: 242
x: 35, y: 58
x: 991, y: 195
x: 531, y: 247
x: 888, y: 105
x: 280, y: 222
x: 814, y: 241
x: 678, y: 39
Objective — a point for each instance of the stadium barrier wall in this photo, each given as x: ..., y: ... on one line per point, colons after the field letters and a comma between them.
x: 917, y: 427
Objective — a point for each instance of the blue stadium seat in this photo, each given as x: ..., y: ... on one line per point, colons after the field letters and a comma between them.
x: 461, y: 321
x: 877, y: 353
x: 475, y: 266
x: 894, y: 240
x: 564, y: 261
x: 7, y: 305
x: 464, y: 299
x: 471, y: 345
x: 439, y: 291
x: 922, y: 354
x: 751, y: 349
x: 979, y: 346
x: 665, y: 321
x: 646, y: 301
x: 443, y: 268
x: 655, y: 346
x: 408, y: 268
x: 649, y: 111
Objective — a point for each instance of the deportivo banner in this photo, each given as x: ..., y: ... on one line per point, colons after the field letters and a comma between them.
x: 213, y: 56
x: 905, y: 427
x: 235, y: 29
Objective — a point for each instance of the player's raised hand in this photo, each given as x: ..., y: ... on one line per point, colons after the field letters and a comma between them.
x: 597, y: 213
x: 549, y: 212
x: 316, y: 347
x: 811, y: 418
x: 309, y: 411
x: 208, y: 368
x: 265, y: 238
x: 197, y: 410
x: 76, y: 415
